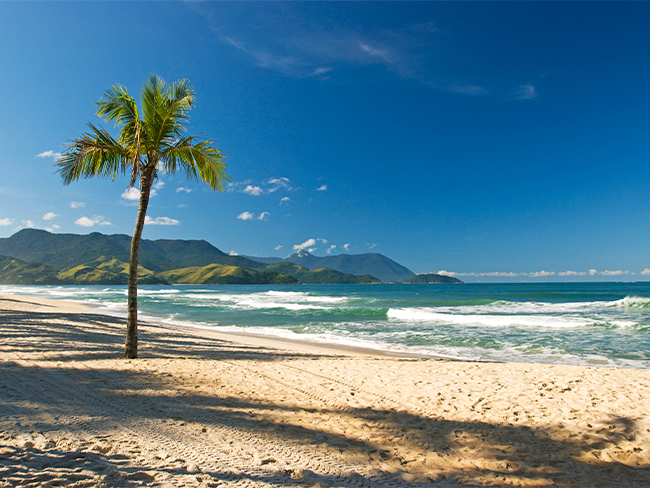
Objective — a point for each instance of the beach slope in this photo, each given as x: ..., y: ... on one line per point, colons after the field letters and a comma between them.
x: 209, y: 409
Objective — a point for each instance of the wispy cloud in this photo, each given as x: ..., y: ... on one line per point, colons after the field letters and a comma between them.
x: 29, y: 224
x: 526, y: 92
x: 90, y: 222
x: 285, y: 200
x: 52, y: 228
x: 322, y: 188
x: 49, y: 216
x: 160, y: 221
x: 158, y: 185
x: 572, y: 273
x: 467, y: 89
x: 265, y: 187
x: 182, y: 188
x: 49, y: 154
x: 330, y: 249
x: 6, y: 221
x: 277, y: 248
x: 298, y: 44
x: 77, y: 204
x: 346, y: 247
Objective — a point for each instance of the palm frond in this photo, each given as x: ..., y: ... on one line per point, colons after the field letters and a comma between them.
x: 95, y: 154
x: 165, y: 108
x: 117, y: 105
x: 198, y: 160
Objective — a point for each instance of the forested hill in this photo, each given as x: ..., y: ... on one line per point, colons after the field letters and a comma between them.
x: 63, y: 251
x: 373, y: 264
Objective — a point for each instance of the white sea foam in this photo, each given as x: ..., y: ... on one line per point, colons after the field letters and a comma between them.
x: 434, y: 316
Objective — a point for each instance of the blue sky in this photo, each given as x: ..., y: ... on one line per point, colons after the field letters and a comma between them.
x: 495, y: 141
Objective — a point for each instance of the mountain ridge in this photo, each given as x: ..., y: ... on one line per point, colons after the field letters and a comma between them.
x: 374, y: 264
x: 65, y: 251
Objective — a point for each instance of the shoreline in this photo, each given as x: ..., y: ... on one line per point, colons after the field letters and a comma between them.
x: 249, y: 338
x: 198, y: 410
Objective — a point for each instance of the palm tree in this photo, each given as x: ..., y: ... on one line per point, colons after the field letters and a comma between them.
x: 148, y: 143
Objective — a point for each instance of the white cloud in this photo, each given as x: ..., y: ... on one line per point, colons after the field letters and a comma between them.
x: 307, y: 244
x: 90, y: 222
x: 276, y: 184
x: 159, y: 185
x: 442, y: 272
x: 321, y: 188
x: 331, y: 248
x: 182, y: 188
x: 267, y: 186
x: 284, y: 200
x: 49, y: 216
x: 52, y: 228
x: 246, y: 216
x: 160, y: 221
x: 541, y: 274
x: 371, y: 246
x: 49, y: 154
x: 572, y: 273
x: 77, y: 204
x: 253, y: 190
x: 645, y: 272
x: 6, y: 221
x: 277, y: 248
x: 614, y: 273
x: 131, y: 194
x: 526, y: 92
x: 491, y: 274
x: 28, y: 223
x: 593, y: 272
x: 346, y: 247
x: 233, y: 253
x: 251, y: 216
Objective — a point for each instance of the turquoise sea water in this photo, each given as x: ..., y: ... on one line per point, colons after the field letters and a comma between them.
x: 597, y: 324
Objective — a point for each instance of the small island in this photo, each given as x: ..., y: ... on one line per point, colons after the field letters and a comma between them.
x: 432, y: 278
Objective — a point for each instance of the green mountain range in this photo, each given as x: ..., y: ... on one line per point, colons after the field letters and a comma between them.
x: 373, y: 264
x: 38, y: 257
x: 34, y: 256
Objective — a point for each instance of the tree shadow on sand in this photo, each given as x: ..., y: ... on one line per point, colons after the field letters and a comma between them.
x: 398, y: 447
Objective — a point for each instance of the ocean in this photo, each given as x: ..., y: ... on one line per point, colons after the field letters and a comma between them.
x: 590, y: 324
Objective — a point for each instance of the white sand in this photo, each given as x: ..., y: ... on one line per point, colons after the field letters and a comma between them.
x: 202, y: 409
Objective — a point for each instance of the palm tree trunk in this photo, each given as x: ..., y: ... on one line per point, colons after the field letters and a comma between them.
x: 131, y: 347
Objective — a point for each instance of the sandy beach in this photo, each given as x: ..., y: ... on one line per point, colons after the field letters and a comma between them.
x: 202, y: 408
